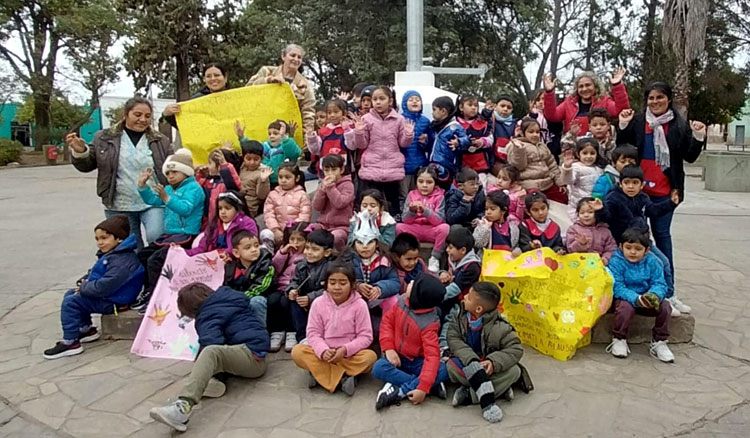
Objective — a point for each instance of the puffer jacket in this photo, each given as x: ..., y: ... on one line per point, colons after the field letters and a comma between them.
x: 442, y: 154
x: 283, y: 206
x: 415, y: 155
x: 301, y: 88
x: 538, y: 167
x: 285, y: 265
x: 458, y: 211
x: 567, y: 111
x: 382, y: 140
x: 104, y: 154
x: 309, y: 278
x: 335, y: 203
x: 605, y: 183
x: 209, y: 241
x: 600, y: 240
x: 225, y: 318
x: 434, y: 208
x: 256, y: 280
x: 412, y: 334
x: 500, y: 344
x: 184, y: 212
x: 332, y: 325
x: 117, y: 276
x: 635, y: 279
x: 382, y: 274
x: 580, y: 180
x: 274, y: 156
x: 622, y: 212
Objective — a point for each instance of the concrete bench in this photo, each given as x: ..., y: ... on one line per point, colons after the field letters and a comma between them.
x: 121, y: 327
x: 681, y: 329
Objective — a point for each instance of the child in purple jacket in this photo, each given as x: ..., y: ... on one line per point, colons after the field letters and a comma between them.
x: 231, y: 217
x: 588, y: 235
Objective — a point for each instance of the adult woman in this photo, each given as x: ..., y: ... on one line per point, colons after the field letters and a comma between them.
x: 120, y: 153
x: 288, y: 71
x: 664, y: 139
x: 215, y: 80
x: 588, y: 92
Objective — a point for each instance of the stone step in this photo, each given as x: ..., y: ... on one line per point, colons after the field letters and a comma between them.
x: 680, y: 329
x: 121, y: 327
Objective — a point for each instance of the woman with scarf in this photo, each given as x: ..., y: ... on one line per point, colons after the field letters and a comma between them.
x: 664, y: 140
x: 415, y: 155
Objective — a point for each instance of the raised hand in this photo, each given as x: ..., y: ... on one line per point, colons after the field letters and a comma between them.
x: 344, y: 95
x: 144, y: 176
x: 596, y: 204
x: 626, y: 116
x: 172, y: 109
x: 698, y: 127
x: 575, y: 128
x: 568, y: 158
x: 549, y: 82
x: 265, y: 172
x: 617, y: 76
x: 292, y: 127
x: 359, y: 124
x: 159, y: 189
x: 76, y: 143
x: 239, y: 129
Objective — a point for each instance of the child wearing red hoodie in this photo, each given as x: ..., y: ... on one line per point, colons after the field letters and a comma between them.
x: 334, y: 199
x: 215, y: 178
x: 411, y: 365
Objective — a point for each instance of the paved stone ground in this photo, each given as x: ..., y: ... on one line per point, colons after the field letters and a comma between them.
x: 45, y: 230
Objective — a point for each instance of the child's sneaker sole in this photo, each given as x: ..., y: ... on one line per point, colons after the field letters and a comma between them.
x: 157, y: 416
x: 66, y: 353
x: 91, y: 338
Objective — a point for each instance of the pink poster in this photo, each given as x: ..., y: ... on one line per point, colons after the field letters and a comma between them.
x: 162, y: 334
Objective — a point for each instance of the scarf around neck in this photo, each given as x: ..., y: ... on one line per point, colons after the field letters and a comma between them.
x: 661, y: 148
x: 500, y: 118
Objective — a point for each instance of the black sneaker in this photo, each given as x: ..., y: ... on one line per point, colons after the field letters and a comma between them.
x: 387, y: 396
x: 311, y: 382
x: 438, y: 391
x: 461, y: 397
x: 141, y: 302
x: 508, y: 395
x: 91, y: 335
x: 61, y: 350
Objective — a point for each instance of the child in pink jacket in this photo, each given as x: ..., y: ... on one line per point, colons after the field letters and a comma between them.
x: 381, y: 133
x: 339, y: 331
x: 334, y: 199
x: 586, y: 235
x: 424, y: 215
x: 287, y: 203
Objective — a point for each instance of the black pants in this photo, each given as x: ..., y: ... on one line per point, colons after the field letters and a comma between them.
x: 390, y: 190
x: 279, y: 313
x: 152, y: 258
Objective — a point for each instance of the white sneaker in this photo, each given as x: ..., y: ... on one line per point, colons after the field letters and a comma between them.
x: 175, y: 414
x: 618, y: 348
x: 291, y: 341
x: 679, y: 306
x: 675, y: 313
x: 276, y: 340
x: 433, y: 265
x: 661, y: 351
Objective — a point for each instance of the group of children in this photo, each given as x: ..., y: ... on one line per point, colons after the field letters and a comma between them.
x: 325, y: 289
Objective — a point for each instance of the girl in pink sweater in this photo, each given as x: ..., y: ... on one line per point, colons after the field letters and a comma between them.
x: 508, y: 178
x: 334, y: 199
x: 588, y: 235
x: 288, y: 202
x: 338, y: 334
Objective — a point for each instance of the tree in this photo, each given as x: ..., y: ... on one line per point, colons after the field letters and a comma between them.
x: 63, y: 115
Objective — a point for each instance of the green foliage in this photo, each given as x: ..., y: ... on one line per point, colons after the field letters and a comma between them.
x: 10, y: 151
x: 114, y: 115
x: 64, y: 116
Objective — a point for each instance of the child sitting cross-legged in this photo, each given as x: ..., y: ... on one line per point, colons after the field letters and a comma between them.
x: 464, y: 203
x: 485, y: 352
x: 411, y: 364
x: 115, y: 280
x: 405, y: 257
x: 339, y: 331
x: 639, y: 288
x: 539, y: 230
x: 589, y: 235
x: 232, y: 339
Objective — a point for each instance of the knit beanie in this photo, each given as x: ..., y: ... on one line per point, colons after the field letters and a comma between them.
x: 118, y: 226
x: 180, y: 161
x: 426, y: 293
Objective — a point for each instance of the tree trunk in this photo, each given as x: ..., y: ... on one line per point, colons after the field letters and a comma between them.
x: 555, y: 53
x: 681, y: 88
x: 649, y: 49
x: 42, y: 120
x: 183, y: 79
x: 590, y: 36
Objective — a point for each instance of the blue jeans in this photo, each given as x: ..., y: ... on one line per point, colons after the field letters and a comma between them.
x: 152, y: 219
x: 661, y: 229
x: 407, y: 375
x: 309, y: 176
x: 259, y: 306
x: 668, y: 275
x: 76, y: 311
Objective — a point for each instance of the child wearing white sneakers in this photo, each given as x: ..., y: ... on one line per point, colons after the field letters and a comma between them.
x: 639, y: 288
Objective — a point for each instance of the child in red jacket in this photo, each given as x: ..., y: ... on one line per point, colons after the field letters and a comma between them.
x: 409, y: 340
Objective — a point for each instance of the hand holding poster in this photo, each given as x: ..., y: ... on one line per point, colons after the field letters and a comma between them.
x: 208, y: 121
x: 552, y: 301
x: 161, y: 334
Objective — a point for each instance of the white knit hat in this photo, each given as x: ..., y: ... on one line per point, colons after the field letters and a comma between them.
x: 180, y: 161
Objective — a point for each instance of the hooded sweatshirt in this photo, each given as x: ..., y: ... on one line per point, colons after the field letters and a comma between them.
x: 605, y: 183
x: 415, y: 155
x: 465, y: 274
x: 332, y: 325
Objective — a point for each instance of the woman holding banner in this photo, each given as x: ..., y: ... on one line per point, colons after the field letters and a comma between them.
x: 215, y: 80
x: 288, y: 72
x: 120, y: 153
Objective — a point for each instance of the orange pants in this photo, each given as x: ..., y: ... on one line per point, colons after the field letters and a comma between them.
x: 327, y: 374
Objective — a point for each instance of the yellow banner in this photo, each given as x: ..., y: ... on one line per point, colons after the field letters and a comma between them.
x: 206, y: 122
x: 553, y: 301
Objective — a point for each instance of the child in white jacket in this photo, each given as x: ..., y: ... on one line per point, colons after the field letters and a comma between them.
x: 580, y: 176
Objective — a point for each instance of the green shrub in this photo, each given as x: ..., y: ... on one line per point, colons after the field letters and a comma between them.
x: 10, y: 150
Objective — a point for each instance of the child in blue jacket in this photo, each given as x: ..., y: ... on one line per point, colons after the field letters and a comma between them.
x: 450, y: 141
x: 115, y: 280
x: 415, y: 155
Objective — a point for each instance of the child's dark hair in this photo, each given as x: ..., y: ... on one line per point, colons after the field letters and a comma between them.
x: 528, y: 122
x: 251, y: 147
x: 631, y: 171
x: 582, y: 202
x: 299, y: 177
x: 428, y: 170
x: 512, y: 171
x: 488, y: 293
x: 499, y: 198
x: 321, y: 238
x: 636, y: 235
x: 191, y: 297
x: 460, y: 100
x: 276, y: 124
x: 466, y: 174
x: 332, y: 161
x: 506, y: 97
x: 625, y: 150
x: 296, y: 227
x: 375, y: 194
x: 583, y: 143
x: 338, y: 103
x: 387, y: 91
x: 599, y: 112
x: 533, y: 197
x: 446, y: 103
x: 339, y: 267
x: 235, y: 199
x: 460, y: 237
x: 404, y: 243
x: 242, y: 234
x: 320, y: 107
x: 358, y: 87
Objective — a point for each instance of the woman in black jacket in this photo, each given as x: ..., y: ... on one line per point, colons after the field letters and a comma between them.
x: 215, y: 80
x: 664, y: 140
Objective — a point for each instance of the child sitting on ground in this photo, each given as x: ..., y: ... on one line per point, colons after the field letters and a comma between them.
x: 589, y: 235
x: 374, y: 203
x: 622, y: 156
x: 216, y: 178
x: 464, y: 268
x: 334, y: 199
x: 288, y: 202
x: 251, y: 271
x: 307, y: 284
x: 538, y: 168
x: 115, y: 280
x: 254, y: 176
x: 464, y: 203
x: 639, y: 288
x: 581, y: 175
x: 478, y: 156
x: 232, y: 340
x: 285, y: 263
x: 183, y: 200
x: 231, y: 218
x: 450, y: 141
x: 496, y: 230
x: 405, y: 257
x: 485, y: 352
x: 411, y: 364
x: 338, y: 334
x: 424, y: 215
x: 539, y: 230
x: 508, y: 178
